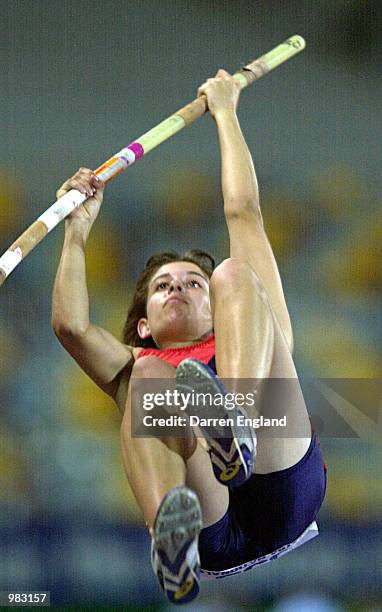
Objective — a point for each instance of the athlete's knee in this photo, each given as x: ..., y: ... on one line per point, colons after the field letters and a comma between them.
x: 232, y: 274
x: 150, y: 366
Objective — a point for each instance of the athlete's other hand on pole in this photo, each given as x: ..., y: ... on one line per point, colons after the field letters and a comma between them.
x: 222, y: 93
x: 85, y: 181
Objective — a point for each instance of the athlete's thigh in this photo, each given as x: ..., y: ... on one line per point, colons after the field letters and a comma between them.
x: 280, y: 447
x: 213, y: 496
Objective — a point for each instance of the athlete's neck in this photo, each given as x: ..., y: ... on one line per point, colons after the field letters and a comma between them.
x: 173, y: 344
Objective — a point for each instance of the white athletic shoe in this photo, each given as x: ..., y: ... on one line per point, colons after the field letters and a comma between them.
x: 232, y: 449
x: 174, y: 549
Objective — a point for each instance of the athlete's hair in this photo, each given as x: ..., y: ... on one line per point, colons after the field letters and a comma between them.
x: 137, y: 308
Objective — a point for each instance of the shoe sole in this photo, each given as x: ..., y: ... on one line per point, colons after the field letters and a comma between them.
x: 232, y: 449
x: 176, y: 530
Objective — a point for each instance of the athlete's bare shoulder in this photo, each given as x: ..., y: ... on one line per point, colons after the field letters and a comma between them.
x: 136, y: 350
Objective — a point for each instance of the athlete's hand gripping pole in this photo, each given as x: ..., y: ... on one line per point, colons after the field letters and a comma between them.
x: 127, y: 156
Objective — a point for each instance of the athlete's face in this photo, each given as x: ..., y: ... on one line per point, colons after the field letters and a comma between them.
x: 178, y: 304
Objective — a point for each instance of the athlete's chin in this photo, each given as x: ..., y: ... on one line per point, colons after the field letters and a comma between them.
x: 178, y: 317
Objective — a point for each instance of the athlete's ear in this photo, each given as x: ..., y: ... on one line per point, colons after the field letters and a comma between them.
x: 143, y: 329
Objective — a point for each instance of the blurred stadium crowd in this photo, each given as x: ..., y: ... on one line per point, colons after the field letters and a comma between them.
x: 68, y: 519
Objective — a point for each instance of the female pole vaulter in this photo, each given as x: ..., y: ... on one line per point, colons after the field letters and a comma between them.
x: 252, y: 496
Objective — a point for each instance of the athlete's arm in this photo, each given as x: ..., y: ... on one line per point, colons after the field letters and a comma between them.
x: 248, y: 240
x: 97, y: 351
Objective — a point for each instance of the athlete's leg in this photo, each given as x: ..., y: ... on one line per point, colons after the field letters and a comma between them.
x: 154, y: 466
x: 249, y: 344
x: 213, y: 496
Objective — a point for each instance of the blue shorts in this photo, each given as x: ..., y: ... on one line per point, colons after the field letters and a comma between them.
x: 266, y: 514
